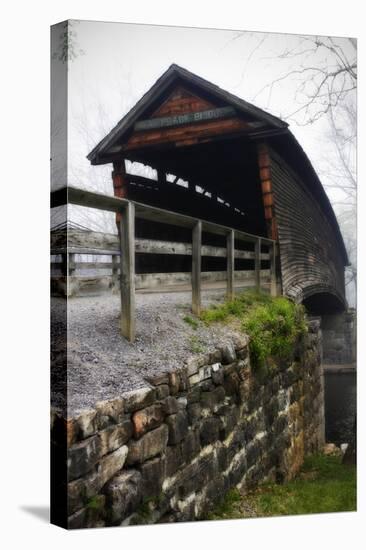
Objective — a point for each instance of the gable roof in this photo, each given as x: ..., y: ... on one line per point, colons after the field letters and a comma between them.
x: 161, y: 85
x: 274, y: 126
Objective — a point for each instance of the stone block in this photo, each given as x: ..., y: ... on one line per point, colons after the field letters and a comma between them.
x: 228, y: 353
x: 217, y: 374
x: 221, y: 456
x: 228, y: 423
x: 170, y: 405
x: 86, y: 422
x: 138, y: 399
x: 148, y: 446
x: 115, y: 436
x: 194, y: 412
x: 158, y: 379
x: 207, y: 385
x: 153, y: 474
x: 215, y: 356
x: 193, y: 396
x: 162, y: 391
x: 195, y: 362
x: 82, y: 457
x: 191, y: 445
x: 81, y: 490
x: 92, y: 515
x: 253, y: 453
x: 197, y: 474
x: 178, y: 427
x: 210, y: 430
x: 77, y: 520
x: 232, y: 383
x: 240, y: 341
x: 147, y: 419
x: 110, y: 464
x: 109, y: 412
x: 174, y: 459
x: 238, y: 469
x: 182, y: 403
x: 123, y: 495
x: 210, y: 399
x: 174, y: 382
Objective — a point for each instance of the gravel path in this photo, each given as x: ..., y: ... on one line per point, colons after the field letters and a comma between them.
x: 102, y: 364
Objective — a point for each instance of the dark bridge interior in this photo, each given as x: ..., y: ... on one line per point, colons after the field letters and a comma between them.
x: 216, y: 181
x: 323, y: 303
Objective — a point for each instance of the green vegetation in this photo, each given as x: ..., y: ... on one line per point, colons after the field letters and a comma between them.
x: 195, y: 344
x: 323, y: 485
x: 95, y: 503
x: 194, y: 323
x: 273, y: 324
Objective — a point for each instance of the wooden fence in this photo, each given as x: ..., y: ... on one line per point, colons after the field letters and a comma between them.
x: 123, y: 260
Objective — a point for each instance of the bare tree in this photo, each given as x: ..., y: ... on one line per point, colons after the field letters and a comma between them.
x: 324, y: 70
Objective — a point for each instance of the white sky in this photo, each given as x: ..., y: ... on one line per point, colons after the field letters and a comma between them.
x: 116, y: 63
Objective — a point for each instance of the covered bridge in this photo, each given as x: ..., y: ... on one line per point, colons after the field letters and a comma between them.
x: 223, y: 160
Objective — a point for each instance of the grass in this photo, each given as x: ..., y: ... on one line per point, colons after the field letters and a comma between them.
x: 323, y: 485
x: 273, y: 324
x: 195, y: 344
x: 194, y: 323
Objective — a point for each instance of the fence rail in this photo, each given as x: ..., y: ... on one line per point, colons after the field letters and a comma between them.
x: 129, y: 245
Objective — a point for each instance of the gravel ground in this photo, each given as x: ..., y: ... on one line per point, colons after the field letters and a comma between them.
x: 101, y: 364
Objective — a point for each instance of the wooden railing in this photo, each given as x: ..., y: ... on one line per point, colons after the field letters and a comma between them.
x: 128, y: 246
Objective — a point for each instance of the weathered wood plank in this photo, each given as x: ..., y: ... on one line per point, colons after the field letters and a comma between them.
x: 257, y: 264
x: 230, y: 265
x: 143, y: 211
x: 272, y: 253
x: 85, y: 250
x: 154, y: 280
x: 95, y: 265
x: 115, y: 269
x: 127, y: 275
x: 186, y: 132
x: 184, y: 118
x: 150, y: 246
x: 196, y: 268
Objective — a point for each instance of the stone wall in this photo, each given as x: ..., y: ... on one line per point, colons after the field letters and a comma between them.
x: 168, y: 452
x: 339, y: 337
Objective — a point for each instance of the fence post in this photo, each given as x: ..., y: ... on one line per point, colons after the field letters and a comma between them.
x: 70, y: 269
x: 230, y: 246
x: 272, y: 256
x: 115, y: 259
x: 127, y: 273
x: 196, y: 267
x: 257, y: 263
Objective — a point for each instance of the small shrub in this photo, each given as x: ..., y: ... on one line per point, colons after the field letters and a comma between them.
x: 273, y: 324
x: 190, y: 321
x: 94, y: 503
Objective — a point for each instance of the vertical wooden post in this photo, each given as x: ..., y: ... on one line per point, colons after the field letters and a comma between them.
x: 115, y: 259
x: 272, y: 257
x: 69, y: 259
x: 119, y: 184
x: 257, y: 263
x: 127, y: 274
x: 230, y: 246
x: 196, y: 267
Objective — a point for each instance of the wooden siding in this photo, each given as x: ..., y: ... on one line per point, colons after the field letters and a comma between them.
x: 186, y: 135
x: 181, y: 101
x: 310, y: 256
x: 264, y: 162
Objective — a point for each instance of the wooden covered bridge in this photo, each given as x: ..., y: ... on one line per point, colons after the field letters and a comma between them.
x: 233, y: 191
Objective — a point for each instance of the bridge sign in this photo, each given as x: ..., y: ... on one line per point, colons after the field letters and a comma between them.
x: 187, y: 118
